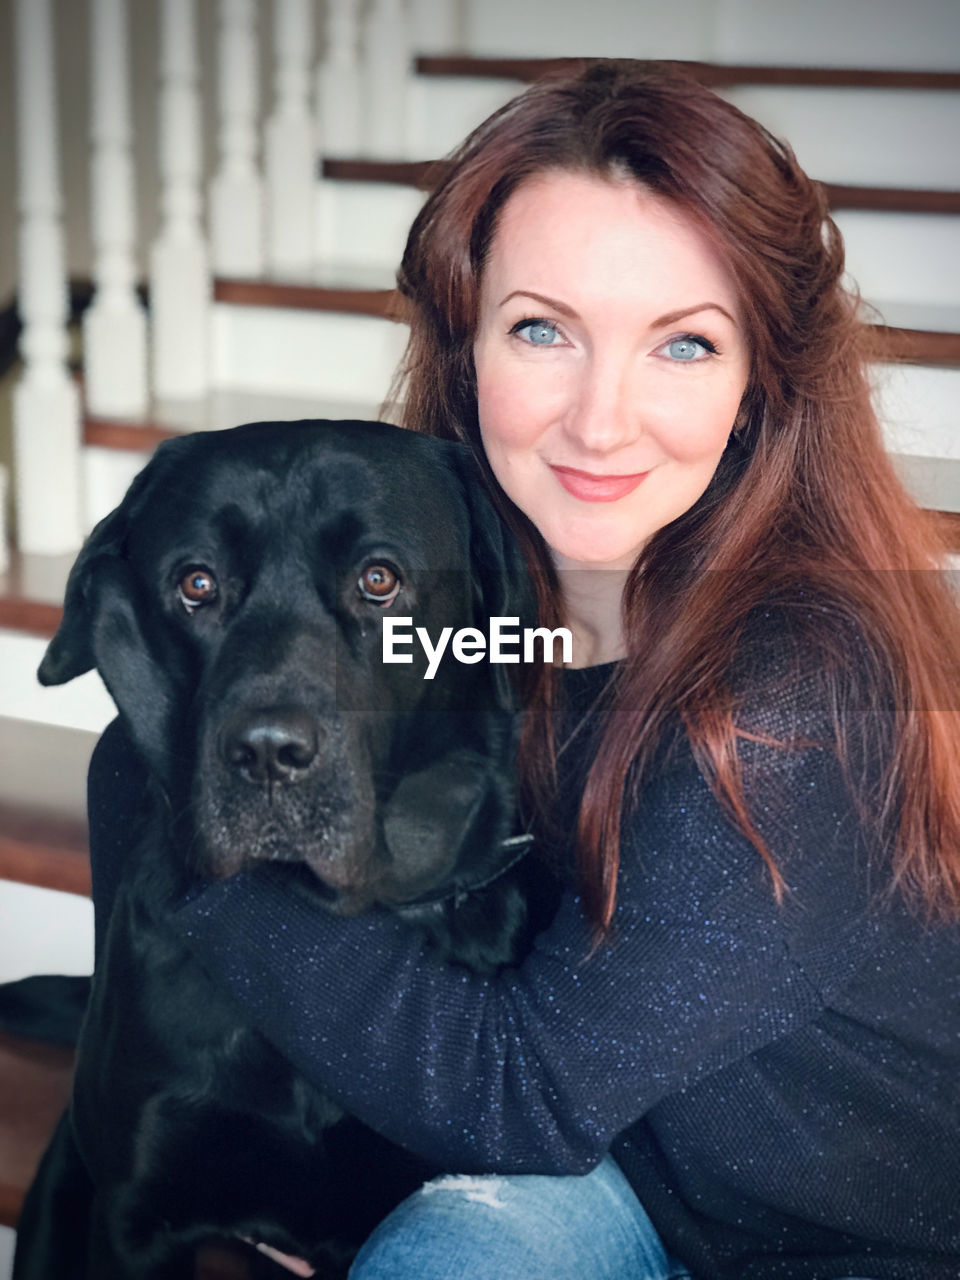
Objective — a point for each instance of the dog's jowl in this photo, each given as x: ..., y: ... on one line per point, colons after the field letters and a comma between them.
x: 233, y: 605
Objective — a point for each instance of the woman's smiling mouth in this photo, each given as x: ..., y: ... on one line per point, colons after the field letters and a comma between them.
x: 593, y: 488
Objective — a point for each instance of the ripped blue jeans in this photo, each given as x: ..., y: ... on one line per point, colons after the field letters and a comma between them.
x: 519, y: 1228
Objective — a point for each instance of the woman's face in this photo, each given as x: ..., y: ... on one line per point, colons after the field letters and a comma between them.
x: 610, y: 358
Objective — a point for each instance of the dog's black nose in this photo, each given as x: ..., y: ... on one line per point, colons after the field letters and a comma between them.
x: 277, y: 745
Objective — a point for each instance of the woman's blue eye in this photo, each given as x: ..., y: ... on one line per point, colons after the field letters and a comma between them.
x: 541, y: 333
x: 688, y: 348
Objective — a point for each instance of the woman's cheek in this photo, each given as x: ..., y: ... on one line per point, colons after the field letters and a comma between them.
x: 696, y: 428
x: 513, y: 407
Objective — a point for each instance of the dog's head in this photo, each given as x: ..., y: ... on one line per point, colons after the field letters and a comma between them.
x: 234, y: 606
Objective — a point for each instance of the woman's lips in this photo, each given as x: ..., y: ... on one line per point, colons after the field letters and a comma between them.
x: 592, y: 488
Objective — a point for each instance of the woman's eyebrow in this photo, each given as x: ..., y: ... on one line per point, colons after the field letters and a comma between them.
x: 671, y: 317
x: 551, y: 303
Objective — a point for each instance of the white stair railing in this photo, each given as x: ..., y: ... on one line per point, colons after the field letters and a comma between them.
x: 236, y: 192
x: 180, y: 284
x: 114, y: 326
x: 385, y: 80
x: 46, y: 403
x: 338, y: 81
x: 290, y: 143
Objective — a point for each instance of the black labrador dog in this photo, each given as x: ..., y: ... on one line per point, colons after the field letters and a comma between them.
x: 234, y: 605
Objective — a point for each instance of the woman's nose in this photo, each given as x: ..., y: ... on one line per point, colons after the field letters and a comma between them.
x: 604, y: 414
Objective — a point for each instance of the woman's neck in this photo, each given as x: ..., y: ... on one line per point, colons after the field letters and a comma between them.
x: 592, y: 605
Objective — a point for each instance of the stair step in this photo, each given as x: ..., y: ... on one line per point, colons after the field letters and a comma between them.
x: 43, y: 827
x: 915, y: 346
x: 384, y: 303
x: 920, y: 345
x: 716, y: 75
x: 423, y: 174
x: 50, y: 853
x: 892, y: 199
x: 885, y: 111
x: 219, y: 410
x: 35, y: 1083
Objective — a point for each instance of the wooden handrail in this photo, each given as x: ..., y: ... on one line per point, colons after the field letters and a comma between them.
x: 715, y: 74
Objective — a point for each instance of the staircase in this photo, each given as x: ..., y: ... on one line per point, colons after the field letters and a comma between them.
x: 324, y: 344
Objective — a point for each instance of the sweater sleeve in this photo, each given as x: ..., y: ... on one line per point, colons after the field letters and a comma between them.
x: 538, y: 1068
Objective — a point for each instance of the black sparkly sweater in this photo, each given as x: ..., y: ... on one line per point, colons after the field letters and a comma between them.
x: 780, y: 1083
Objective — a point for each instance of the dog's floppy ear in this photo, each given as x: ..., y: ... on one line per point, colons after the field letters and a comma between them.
x: 70, y: 652
x: 103, y: 627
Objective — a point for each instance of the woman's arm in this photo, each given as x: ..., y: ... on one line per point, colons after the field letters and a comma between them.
x: 539, y: 1068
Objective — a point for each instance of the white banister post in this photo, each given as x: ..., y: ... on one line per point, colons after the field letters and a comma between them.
x: 338, y: 81
x: 180, y: 284
x: 386, y: 72
x: 115, y: 325
x: 4, y: 544
x: 436, y: 26
x: 236, y: 192
x: 291, y: 154
x: 46, y: 403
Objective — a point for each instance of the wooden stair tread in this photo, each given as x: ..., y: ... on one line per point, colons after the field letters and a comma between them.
x: 220, y: 409
x: 715, y: 74
x: 911, y: 345
x: 384, y: 303
x: 423, y: 174
x: 43, y: 826
x: 915, y: 346
x: 34, y: 1090
x: 45, y: 851
x: 892, y: 199
x: 31, y: 590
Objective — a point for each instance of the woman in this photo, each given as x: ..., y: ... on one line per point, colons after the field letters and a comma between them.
x: 735, y: 1051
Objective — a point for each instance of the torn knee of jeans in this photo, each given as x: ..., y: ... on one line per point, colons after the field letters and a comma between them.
x: 478, y: 1190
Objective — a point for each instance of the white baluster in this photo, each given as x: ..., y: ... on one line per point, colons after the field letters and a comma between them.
x: 179, y: 267
x: 4, y: 542
x: 338, y: 81
x: 46, y: 403
x: 291, y: 144
x: 436, y: 26
x: 114, y: 326
x: 386, y: 70
x: 236, y: 192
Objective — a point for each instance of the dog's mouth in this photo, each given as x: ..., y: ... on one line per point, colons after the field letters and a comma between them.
x: 347, y: 873
x: 364, y: 835
x: 340, y: 855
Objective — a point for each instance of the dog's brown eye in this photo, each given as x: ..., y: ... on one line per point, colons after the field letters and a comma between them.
x: 197, y: 587
x: 379, y: 584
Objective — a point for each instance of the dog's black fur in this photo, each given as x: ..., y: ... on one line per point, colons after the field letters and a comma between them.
x: 222, y: 603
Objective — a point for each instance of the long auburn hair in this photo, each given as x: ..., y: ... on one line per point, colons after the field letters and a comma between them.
x: 805, y: 491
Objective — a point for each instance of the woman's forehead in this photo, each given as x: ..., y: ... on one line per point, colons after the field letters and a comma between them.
x: 591, y: 235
